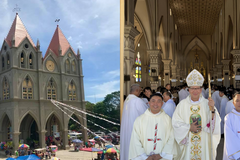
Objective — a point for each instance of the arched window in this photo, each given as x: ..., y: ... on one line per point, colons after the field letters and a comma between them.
x: 3, y: 63
x: 27, y: 89
x: 67, y: 66
x: 138, y: 69
x: 51, y: 90
x: 72, y: 91
x: 73, y: 67
x: 22, y: 60
x: 5, y: 89
x: 9, y: 131
x: 31, y: 61
x: 8, y: 61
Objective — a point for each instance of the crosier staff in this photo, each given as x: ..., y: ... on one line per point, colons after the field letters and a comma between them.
x: 211, y: 108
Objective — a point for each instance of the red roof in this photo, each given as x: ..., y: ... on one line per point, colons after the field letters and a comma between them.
x: 58, y: 41
x: 18, y: 32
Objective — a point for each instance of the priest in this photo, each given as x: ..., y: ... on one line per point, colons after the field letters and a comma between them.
x: 232, y: 131
x: 152, y: 135
x: 191, y: 122
x: 133, y: 107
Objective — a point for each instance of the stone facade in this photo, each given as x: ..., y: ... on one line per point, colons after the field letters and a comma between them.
x: 28, y: 82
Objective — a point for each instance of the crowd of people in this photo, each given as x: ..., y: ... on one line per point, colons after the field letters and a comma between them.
x: 180, y: 122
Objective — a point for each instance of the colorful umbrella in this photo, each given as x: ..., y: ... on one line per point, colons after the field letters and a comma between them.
x: 77, y: 141
x: 23, y: 146
x: 111, y: 150
x: 109, y: 146
x: 54, y: 148
x: 28, y: 157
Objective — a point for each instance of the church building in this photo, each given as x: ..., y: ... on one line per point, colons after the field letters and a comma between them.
x: 29, y: 81
x: 165, y: 39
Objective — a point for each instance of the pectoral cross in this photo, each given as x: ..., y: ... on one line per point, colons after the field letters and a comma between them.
x: 155, y: 139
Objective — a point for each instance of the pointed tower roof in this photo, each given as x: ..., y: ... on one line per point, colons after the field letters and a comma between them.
x: 18, y: 33
x: 58, y: 42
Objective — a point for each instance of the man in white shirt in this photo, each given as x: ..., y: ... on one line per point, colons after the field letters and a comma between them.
x: 169, y: 106
x: 133, y: 107
x: 232, y: 132
x: 183, y: 93
x: 152, y: 136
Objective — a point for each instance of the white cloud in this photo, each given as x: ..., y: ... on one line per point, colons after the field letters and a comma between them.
x: 96, y: 16
x: 69, y: 38
x: 105, y: 88
x: 113, y: 74
x: 79, y: 44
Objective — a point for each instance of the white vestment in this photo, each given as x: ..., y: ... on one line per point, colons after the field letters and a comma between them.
x: 232, y: 136
x: 152, y: 134
x: 185, y: 114
x: 217, y: 100
x: 133, y: 107
x: 169, y: 107
x: 145, y: 100
x: 229, y: 107
x: 223, y: 105
x: 182, y: 94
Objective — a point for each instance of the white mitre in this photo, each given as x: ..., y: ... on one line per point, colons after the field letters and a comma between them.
x: 195, y: 78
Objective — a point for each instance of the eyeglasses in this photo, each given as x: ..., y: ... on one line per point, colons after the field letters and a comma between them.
x: 195, y: 89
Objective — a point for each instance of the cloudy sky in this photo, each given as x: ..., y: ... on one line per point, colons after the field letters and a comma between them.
x: 93, y: 26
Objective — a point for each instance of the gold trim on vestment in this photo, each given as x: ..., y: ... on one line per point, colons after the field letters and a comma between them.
x: 233, y: 154
x: 195, y: 139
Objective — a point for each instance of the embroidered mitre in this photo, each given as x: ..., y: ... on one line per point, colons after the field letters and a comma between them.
x: 195, y: 78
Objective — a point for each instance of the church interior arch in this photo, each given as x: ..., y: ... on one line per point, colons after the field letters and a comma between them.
x: 29, y: 129
x: 143, y: 15
x: 229, y: 38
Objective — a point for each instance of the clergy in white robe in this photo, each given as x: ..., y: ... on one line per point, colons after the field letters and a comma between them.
x: 152, y: 135
x: 169, y: 105
x: 229, y: 107
x: 232, y: 132
x: 216, y: 98
x: 223, y: 105
x: 191, y: 122
x: 133, y: 107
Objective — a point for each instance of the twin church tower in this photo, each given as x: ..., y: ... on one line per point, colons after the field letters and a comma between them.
x: 28, y: 82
